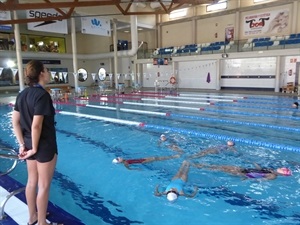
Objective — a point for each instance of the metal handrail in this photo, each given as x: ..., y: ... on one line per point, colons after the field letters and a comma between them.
x: 13, y: 156
x: 3, y: 203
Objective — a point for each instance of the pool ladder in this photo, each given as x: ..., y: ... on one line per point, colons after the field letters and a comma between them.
x: 12, y: 156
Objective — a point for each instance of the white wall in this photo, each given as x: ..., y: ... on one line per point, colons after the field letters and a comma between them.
x: 250, y: 73
x: 194, y: 74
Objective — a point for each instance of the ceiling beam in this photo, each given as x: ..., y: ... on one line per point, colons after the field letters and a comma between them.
x: 10, y: 6
x: 62, y: 6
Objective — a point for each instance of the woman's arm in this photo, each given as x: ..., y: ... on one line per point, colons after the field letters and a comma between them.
x: 18, y: 131
x: 157, y: 193
x: 190, y: 195
x: 36, y: 129
x: 270, y: 176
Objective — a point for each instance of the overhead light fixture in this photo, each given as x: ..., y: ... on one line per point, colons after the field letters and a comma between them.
x: 257, y: 1
x: 216, y: 7
x: 178, y: 13
x: 10, y: 64
x: 224, y: 55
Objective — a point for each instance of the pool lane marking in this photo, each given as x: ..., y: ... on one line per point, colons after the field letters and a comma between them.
x: 214, y: 110
x: 196, y: 118
x: 214, y: 96
x: 204, y: 99
x: 128, y: 110
x: 174, y: 101
x: 257, y: 107
x: 108, y: 119
x: 162, y: 106
x: 185, y: 131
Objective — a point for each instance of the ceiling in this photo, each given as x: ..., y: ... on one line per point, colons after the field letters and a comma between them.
x: 66, y: 8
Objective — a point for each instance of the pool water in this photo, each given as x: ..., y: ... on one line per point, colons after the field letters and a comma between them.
x: 88, y: 185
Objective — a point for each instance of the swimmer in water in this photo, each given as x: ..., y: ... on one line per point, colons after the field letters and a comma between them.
x: 128, y: 162
x: 215, y: 150
x: 295, y: 105
x: 249, y: 173
x: 175, y: 187
x: 173, y: 147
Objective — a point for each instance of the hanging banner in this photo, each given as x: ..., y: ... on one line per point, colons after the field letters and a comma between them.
x: 266, y: 23
x: 95, y: 25
x: 5, y: 15
x: 14, y: 71
x: 208, y: 78
x: 53, y: 73
x: 229, y: 34
x: 1, y: 69
x: 54, y: 26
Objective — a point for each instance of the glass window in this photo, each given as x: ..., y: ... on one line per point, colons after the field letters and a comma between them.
x: 82, y: 75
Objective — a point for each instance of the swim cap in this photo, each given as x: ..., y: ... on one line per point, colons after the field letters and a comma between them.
x: 230, y: 143
x: 161, y: 136
x: 171, y: 196
x: 284, y: 171
x: 116, y: 160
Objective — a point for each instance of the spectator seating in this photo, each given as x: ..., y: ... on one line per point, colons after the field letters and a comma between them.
x: 272, y: 42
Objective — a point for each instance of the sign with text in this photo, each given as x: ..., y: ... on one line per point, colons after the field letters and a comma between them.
x: 95, y: 25
x: 54, y: 26
x: 266, y: 23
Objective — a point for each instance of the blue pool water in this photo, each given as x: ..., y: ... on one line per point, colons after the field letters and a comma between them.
x: 90, y: 187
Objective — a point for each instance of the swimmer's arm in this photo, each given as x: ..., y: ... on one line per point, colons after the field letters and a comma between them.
x: 175, y: 148
x: 270, y: 176
x: 128, y: 167
x: 157, y: 193
x: 190, y: 195
x: 257, y: 166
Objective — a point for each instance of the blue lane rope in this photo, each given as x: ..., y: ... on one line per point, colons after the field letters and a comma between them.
x: 251, y: 114
x: 274, y: 102
x: 234, y: 122
x: 255, y: 107
x: 224, y: 137
x: 184, y: 131
x: 270, y: 98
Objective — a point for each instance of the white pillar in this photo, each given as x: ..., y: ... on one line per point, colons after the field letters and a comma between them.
x: 218, y: 74
x: 115, y: 39
x: 295, y: 17
x: 18, y: 53
x: 74, y: 50
x: 277, y: 74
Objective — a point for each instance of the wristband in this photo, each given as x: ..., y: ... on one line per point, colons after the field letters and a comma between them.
x: 22, y: 145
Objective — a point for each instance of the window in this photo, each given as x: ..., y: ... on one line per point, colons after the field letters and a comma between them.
x: 178, y: 13
x: 216, y: 7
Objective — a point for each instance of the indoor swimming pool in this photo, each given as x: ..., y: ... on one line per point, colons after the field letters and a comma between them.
x: 89, y: 189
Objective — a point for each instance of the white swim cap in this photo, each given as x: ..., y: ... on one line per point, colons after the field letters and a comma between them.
x: 171, y: 196
x: 162, y: 135
x: 115, y: 160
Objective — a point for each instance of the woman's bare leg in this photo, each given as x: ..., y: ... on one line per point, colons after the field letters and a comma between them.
x: 45, y: 171
x: 31, y: 189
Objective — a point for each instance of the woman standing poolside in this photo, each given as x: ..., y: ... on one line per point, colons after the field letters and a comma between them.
x: 34, y: 127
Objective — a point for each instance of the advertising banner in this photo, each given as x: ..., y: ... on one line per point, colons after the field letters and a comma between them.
x: 54, y: 26
x: 266, y: 23
x: 5, y: 15
x: 95, y: 25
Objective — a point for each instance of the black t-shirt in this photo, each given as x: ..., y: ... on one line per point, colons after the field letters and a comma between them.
x: 37, y: 101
